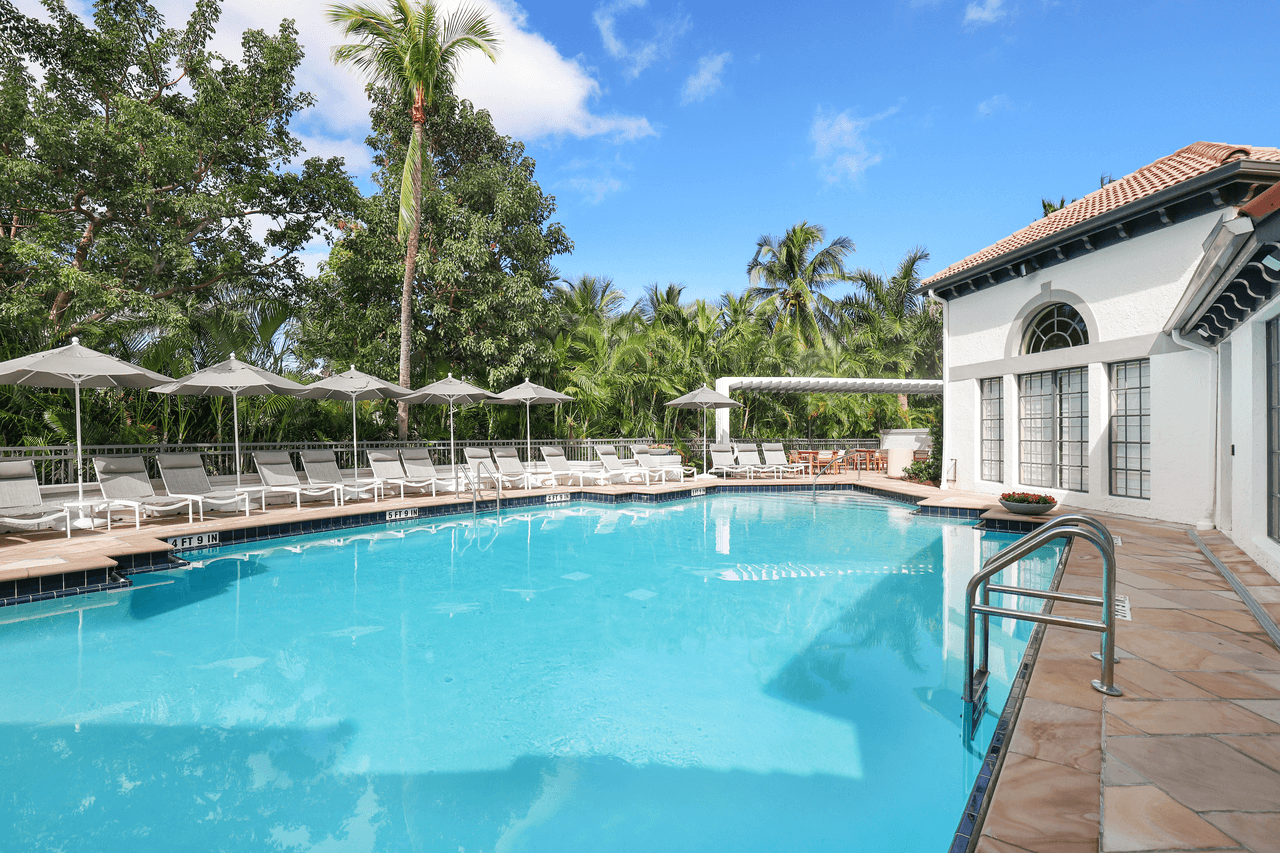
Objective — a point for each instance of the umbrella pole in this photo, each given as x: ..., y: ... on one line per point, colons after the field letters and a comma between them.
x: 355, y: 442
x: 704, y: 439
x: 453, y: 452
x: 528, y: 435
x: 79, y: 462
x: 235, y: 418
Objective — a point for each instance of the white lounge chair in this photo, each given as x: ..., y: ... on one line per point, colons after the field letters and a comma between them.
x: 776, y: 455
x: 481, y: 467
x: 126, y: 484
x: 387, y: 469
x: 559, y: 465
x: 650, y: 463
x: 322, y: 470
x: 419, y: 467
x: 20, y: 500
x: 277, y: 473
x: 614, y: 468
x: 750, y: 457
x: 184, y: 477
x: 508, y: 460
x: 725, y: 463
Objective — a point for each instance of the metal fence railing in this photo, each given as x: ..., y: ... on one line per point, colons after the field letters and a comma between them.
x: 55, y: 464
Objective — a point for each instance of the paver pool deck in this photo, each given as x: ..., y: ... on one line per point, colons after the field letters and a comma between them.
x: 1187, y: 759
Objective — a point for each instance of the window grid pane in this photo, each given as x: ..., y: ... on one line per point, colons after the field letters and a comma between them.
x: 1131, y: 429
x: 1036, y: 429
x: 1273, y: 429
x: 1073, y: 429
x: 993, y: 429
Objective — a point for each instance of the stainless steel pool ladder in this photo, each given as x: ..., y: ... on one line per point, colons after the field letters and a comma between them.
x: 475, y: 485
x: 1063, y: 527
x: 847, y: 455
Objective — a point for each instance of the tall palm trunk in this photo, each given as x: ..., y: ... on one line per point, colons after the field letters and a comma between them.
x: 410, y: 269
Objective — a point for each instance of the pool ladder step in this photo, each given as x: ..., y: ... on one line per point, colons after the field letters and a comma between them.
x: 975, y: 709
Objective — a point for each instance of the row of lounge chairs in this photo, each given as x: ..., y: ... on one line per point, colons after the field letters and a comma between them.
x: 126, y: 484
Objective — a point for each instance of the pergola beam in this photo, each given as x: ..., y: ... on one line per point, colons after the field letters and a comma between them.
x: 815, y: 385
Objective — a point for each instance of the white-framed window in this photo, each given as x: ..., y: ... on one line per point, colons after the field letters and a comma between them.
x: 1131, y: 428
x: 1055, y: 326
x: 992, y: 417
x: 1053, y: 440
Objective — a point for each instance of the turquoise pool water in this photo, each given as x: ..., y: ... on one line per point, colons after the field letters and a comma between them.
x: 745, y: 673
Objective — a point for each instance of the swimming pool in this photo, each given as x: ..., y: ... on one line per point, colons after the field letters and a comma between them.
x: 734, y: 673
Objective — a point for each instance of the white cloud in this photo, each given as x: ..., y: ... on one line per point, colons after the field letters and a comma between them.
x: 706, y: 79
x: 640, y: 55
x: 992, y: 104
x: 593, y: 180
x: 986, y: 12
x: 840, y: 144
x: 532, y: 90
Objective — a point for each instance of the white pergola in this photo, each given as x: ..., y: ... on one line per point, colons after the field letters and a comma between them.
x: 815, y: 385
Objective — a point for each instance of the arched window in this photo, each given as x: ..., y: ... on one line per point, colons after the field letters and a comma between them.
x: 1055, y: 326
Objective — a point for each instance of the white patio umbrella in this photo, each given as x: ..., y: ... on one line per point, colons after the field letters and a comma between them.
x: 355, y: 386
x: 529, y: 393
x: 704, y: 398
x: 235, y: 379
x: 450, y: 391
x: 74, y: 366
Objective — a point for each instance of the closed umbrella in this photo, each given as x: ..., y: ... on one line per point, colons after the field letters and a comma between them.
x: 529, y: 393
x: 450, y: 391
x: 704, y: 398
x: 235, y: 379
x: 74, y: 366
x: 355, y: 386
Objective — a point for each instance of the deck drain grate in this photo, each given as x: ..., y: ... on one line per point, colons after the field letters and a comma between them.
x: 1122, y: 608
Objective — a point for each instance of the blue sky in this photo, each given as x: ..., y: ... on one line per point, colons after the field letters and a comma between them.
x: 674, y: 134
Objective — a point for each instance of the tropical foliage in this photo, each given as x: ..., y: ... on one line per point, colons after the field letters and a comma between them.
x: 153, y: 205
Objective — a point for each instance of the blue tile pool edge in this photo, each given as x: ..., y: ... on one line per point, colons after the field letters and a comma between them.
x: 978, y: 804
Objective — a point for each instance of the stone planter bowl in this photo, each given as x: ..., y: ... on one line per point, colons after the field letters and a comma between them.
x: 1026, y: 509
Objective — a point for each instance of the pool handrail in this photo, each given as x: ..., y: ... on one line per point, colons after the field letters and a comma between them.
x: 1068, y: 526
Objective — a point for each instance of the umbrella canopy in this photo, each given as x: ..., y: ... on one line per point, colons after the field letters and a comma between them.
x: 704, y: 398
x: 529, y: 393
x: 450, y: 391
x: 231, y: 378
x: 355, y: 386
x: 74, y: 366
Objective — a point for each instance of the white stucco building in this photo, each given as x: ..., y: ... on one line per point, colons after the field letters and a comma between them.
x: 1123, y: 353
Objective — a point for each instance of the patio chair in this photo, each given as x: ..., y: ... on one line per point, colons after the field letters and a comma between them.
x: 614, y: 468
x: 776, y: 455
x: 126, y: 484
x: 20, y: 500
x: 508, y: 460
x: 184, y: 477
x: 725, y: 463
x: 322, y: 470
x: 650, y: 463
x: 749, y: 456
x: 559, y: 465
x: 481, y: 467
x: 387, y: 469
x: 418, y: 467
x: 276, y: 470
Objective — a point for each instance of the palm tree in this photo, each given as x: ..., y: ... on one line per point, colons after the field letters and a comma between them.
x: 590, y: 298
x: 411, y: 49
x: 893, y: 325
x: 787, y: 275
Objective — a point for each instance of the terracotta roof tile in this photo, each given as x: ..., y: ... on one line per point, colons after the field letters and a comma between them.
x: 1182, y: 165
